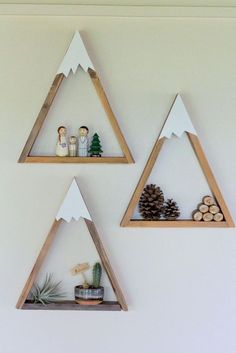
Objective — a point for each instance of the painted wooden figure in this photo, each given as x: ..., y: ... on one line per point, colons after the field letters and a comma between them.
x: 83, y: 141
x: 62, y: 145
x: 72, y: 146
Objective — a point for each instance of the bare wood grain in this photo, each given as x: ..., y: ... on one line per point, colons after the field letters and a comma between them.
x: 210, y: 178
x: 55, y: 159
x: 72, y: 305
x: 176, y: 224
x: 106, y: 105
x: 142, y: 181
x: 41, y: 117
x: 218, y: 217
x: 38, y: 264
x: 106, y: 263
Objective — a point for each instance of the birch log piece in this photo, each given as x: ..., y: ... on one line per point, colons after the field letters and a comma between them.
x: 203, y: 208
x: 197, y: 215
x: 208, y: 200
x: 218, y: 217
x: 207, y: 217
x: 214, y: 209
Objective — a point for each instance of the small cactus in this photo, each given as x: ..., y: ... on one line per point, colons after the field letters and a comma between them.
x: 97, y: 273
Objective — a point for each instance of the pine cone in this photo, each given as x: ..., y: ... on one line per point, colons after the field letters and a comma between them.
x: 151, y: 202
x: 171, y: 210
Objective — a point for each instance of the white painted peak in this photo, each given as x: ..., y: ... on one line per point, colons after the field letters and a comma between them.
x: 76, y: 55
x: 73, y: 205
x: 178, y: 121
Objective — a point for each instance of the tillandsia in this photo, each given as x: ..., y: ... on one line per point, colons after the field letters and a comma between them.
x: 97, y: 274
x: 48, y: 292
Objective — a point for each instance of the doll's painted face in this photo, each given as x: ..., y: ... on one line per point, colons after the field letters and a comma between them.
x: 73, y: 139
x: 62, y: 131
x: 83, y: 131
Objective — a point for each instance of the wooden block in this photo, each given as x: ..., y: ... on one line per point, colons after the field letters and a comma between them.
x: 203, y: 208
x: 208, y: 200
x: 197, y: 215
x: 214, y: 209
x: 218, y: 217
x: 207, y: 217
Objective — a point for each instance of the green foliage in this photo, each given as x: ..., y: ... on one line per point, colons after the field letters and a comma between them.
x: 95, y: 147
x: 97, y: 274
x: 48, y: 292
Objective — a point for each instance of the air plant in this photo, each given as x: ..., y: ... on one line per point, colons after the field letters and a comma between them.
x: 48, y: 292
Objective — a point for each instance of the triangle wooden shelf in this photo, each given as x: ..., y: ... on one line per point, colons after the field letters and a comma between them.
x: 177, y: 123
x: 73, y: 207
x: 76, y: 56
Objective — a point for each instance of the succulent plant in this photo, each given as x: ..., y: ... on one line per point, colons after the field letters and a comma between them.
x: 48, y: 292
x: 97, y: 273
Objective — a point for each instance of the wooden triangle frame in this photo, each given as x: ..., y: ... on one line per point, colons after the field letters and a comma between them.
x: 176, y: 113
x: 66, y: 213
x: 76, y: 56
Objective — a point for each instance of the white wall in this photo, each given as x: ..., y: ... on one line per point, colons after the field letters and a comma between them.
x: 179, y: 283
x: 129, y: 2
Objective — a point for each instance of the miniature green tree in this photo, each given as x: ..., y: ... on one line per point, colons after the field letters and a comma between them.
x: 95, y: 147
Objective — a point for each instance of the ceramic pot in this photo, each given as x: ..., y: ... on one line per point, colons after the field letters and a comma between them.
x: 89, y: 296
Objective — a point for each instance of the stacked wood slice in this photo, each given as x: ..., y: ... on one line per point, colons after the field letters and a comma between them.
x: 208, y: 211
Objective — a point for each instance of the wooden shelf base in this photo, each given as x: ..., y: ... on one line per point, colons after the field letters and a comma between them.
x: 182, y: 223
x: 55, y: 159
x: 72, y: 305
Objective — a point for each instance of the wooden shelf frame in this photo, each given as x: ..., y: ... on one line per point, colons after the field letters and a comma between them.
x: 181, y: 223
x: 55, y: 159
x: 26, y: 156
x: 127, y: 220
x: 72, y: 305
x: 73, y: 207
x: 22, y: 301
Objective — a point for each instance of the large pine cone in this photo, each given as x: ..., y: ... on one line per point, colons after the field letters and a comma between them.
x: 171, y: 210
x: 151, y: 202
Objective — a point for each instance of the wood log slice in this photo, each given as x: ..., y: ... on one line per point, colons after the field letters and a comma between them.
x: 218, y: 217
x: 208, y: 200
x: 207, y: 217
x: 203, y: 208
x: 214, y: 209
x: 197, y: 215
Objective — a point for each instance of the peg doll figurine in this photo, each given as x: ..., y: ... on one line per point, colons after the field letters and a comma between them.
x: 62, y: 145
x: 72, y: 146
x: 83, y: 141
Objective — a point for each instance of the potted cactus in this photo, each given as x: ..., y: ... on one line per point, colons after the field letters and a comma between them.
x: 91, y: 294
